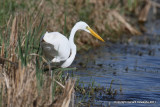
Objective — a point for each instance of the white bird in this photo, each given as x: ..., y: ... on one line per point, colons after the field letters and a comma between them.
x: 57, y: 48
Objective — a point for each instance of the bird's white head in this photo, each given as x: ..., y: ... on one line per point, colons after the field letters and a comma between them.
x: 84, y: 26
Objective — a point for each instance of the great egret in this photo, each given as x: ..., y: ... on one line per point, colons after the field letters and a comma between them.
x: 57, y: 48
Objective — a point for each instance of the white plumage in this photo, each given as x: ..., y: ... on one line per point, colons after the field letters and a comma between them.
x: 58, y: 48
x: 54, y: 38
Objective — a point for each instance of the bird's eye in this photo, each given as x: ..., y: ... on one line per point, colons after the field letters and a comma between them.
x: 87, y: 27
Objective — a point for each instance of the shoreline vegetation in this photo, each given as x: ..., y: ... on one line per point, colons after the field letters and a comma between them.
x: 22, y: 79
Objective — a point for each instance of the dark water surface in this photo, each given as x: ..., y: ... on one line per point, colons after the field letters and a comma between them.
x: 134, y: 66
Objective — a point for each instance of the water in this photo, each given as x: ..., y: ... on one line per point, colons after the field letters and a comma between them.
x: 134, y: 67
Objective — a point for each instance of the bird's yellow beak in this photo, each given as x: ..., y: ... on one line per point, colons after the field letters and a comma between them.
x: 95, y: 34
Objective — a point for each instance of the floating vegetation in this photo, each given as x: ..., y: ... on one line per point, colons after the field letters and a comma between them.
x: 91, y: 93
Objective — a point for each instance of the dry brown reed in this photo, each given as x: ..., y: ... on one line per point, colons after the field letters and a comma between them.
x: 98, y: 14
x: 144, y: 13
x: 19, y: 84
x: 64, y: 100
x: 21, y: 90
x: 106, y: 17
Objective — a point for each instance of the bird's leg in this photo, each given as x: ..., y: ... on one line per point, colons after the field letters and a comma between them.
x: 50, y: 70
x: 55, y: 60
x: 49, y: 65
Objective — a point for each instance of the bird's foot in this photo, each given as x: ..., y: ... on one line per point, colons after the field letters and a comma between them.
x: 55, y: 60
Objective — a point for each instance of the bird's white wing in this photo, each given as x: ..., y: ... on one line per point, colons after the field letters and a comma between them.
x: 59, y: 44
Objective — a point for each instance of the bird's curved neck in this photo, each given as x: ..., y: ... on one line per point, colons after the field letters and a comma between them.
x: 69, y: 61
x: 72, y: 34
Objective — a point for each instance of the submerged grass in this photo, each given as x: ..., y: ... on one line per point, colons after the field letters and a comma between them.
x: 86, y: 95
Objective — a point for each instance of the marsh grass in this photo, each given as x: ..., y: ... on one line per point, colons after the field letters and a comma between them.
x: 23, y: 81
x: 95, y: 13
x: 106, y: 17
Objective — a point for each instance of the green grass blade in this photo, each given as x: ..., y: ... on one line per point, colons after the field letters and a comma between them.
x: 20, y: 50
